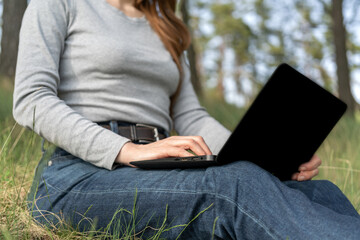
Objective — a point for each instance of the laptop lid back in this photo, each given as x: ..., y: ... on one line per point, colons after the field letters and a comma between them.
x: 285, y: 125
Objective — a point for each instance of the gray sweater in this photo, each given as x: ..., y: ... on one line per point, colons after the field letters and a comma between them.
x: 84, y: 61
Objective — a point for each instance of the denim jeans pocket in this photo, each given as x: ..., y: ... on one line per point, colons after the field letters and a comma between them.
x: 59, y: 156
x: 49, y: 157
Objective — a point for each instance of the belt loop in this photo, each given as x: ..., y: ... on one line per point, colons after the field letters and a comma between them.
x: 114, y: 127
x: 133, y: 133
x: 42, y: 145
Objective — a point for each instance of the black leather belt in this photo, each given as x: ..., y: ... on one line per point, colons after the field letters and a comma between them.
x: 137, y: 133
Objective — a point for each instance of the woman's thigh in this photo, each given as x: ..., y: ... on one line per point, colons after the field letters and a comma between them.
x: 72, y: 188
x: 244, y: 200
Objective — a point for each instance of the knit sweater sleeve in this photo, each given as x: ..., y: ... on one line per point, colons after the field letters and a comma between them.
x: 191, y: 119
x: 36, y: 103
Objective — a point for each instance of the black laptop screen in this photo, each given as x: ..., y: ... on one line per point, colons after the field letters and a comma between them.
x: 285, y: 125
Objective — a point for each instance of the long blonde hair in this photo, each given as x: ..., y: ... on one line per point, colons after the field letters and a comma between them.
x: 171, y: 30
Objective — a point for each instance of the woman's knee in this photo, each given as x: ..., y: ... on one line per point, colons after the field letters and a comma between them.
x: 243, y: 172
x: 244, y: 181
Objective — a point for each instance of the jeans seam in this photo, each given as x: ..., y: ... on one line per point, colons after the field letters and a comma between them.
x: 223, y: 197
x: 127, y: 190
x: 216, y: 195
x: 253, y: 218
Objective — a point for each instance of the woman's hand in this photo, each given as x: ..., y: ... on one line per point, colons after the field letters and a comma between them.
x: 308, y: 170
x: 175, y: 146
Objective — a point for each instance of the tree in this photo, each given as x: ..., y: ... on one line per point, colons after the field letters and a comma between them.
x: 13, y: 11
x: 254, y: 36
x: 191, y: 53
x: 222, y: 22
x: 335, y: 40
x: 341, y: 59
x: 234, y: 34
x: 311, y: 44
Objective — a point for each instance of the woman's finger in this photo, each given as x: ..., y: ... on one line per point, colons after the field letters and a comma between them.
x: 178, y: 152
x: 200, y: 140
x: 194, y: 143
x: 295, y: 176
x: 313, y: 164
x: 307, y: 175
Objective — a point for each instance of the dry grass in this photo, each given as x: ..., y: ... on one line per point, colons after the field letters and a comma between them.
x: 341, y: 159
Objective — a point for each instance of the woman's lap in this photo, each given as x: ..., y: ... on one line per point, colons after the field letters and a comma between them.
x: 249, y: 202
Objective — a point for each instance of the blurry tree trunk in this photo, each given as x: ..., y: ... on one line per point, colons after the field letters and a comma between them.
x: 13, y: 11
x: 342, y: 70
x: 220, y: 72
x: 192, y: 56
x: 237, y: 76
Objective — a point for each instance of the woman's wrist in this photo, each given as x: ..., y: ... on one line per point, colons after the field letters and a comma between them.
x: 122, y: 157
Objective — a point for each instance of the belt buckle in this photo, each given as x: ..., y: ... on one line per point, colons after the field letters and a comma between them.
x: 156, y: 132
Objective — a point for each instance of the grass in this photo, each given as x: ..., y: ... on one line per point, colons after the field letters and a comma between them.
x: 5, y: 100
x: 341, y: 159
x: 20, y: 152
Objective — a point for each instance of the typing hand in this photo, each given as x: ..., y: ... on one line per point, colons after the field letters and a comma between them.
x: 308, y: 170
x: 176, y: 146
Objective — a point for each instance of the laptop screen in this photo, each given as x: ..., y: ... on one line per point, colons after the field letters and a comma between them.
x: 285, y: 125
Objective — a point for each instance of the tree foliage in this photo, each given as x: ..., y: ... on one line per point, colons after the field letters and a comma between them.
x: 248, y: 38
x: 238, y: 43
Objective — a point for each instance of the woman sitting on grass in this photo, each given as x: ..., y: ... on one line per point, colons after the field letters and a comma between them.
x: 90, y: 70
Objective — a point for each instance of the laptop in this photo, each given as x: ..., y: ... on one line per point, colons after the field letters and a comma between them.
x: 283, y: 128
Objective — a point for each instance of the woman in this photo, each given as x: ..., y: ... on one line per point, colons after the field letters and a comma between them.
x: 89, y: 72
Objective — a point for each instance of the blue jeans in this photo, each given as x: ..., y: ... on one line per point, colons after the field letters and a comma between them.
x: 242, y: 201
